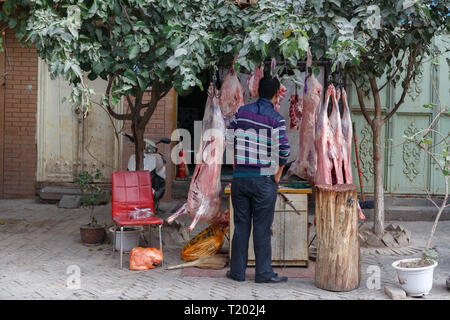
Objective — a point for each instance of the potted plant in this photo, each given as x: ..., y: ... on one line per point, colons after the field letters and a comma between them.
x: 93, y: 232
x: 416, y: 275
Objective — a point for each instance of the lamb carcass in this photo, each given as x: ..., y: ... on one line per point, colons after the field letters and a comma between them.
x: 333, y: 143
x: 203, y: 203
x: 283, y: 89
x: 336, y: 138
x: 253, y: 81
x: 322, y: 142
x: 347, y: 134
x: 305, y: 165
x: 231, y: 95
x: 145, y: 258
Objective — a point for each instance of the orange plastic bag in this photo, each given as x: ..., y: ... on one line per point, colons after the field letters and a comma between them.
x: 206, y: 243
x: 145, y: 258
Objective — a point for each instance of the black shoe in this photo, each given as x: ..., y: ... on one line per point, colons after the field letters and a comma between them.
x: 274, y: 279
x: 229, y: 276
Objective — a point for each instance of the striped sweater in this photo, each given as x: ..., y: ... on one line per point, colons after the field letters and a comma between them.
x: 257, y: 137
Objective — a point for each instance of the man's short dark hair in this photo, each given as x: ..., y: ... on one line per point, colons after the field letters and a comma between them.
x: 268, y: 86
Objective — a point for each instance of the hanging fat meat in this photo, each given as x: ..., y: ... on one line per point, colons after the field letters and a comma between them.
x: 283, y: 89
x: 322, y: 143
x: 305, y: 165
x: 203, y: 202
x: 295, y: 111
x: 333, y: 143
x: 336, y: 138
x: 253, y: 81
x: 347, y: 135
x: 231, y: 96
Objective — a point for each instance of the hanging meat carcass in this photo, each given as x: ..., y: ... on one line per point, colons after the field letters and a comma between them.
x: 333, y: 143
x: 253, y: 81
x: 322, y: 143
x: 336, y: 138
x: 203, y: 202
x: 283, y: 89
x: 347, y: 134
x: 295, y: 111
x: 305, y: 165
x: 231, y: 96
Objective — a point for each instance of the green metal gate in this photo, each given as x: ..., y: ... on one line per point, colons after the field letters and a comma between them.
x: 406, y: 169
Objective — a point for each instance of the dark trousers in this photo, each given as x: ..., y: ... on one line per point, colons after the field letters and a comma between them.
x: 252, y: 199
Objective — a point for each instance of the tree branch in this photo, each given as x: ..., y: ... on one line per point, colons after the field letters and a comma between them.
x: 411, y: 59
x: 376, y: 97
x: 395, y: 72
x: 362, y: 105
x: 130, y: 104
x: 124, y: 11
x: 152, y: 104
x: 110, y: 110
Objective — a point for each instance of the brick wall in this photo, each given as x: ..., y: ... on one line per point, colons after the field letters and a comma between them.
x: 18, y: 100
x: 160, y: 125
x: 18, y: 106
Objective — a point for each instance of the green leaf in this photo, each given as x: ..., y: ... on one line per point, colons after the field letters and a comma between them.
x: 129, y: 39
x: 160, y: 51
x: 98, y: 68
x: 266, y: 37
x: 172, y: 62
x: 316, y: 72
x: 429, y: 106
x: 94, y: 8
x: 130, y: 77
x: 180, y: 52
x: 76, y: 69
x: 142, y: 83
x: 336, y: 2
x: 145, y: 47
x: 12, y: 23
x: 303, y: 44
x: 126, y: 87
x: 133, y: 51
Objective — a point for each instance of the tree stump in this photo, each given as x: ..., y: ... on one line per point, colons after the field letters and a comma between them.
x: 338, y: 261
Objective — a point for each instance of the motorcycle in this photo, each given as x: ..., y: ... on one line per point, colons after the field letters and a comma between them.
x: 154, y: 162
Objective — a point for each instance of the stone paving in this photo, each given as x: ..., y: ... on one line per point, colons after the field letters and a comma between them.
x: 41, y: 253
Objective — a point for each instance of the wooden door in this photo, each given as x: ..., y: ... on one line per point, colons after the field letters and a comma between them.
x: 67, y: 143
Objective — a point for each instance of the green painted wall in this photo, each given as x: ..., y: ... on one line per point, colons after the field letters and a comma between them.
x: 406, y: 170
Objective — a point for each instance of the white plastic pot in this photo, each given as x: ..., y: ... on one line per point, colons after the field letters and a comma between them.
x: 130, y: 237
x: 415, y: 281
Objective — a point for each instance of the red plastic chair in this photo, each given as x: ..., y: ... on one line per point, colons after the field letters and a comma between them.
x: 130, y: 190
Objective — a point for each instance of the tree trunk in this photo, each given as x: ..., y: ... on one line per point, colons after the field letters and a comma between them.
x: 138, y: 135
x: 378, y: 221
x: 338, y: 263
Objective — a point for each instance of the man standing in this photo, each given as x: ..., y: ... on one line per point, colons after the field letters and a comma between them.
x: 257, y: 135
